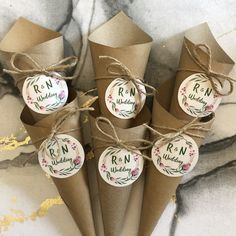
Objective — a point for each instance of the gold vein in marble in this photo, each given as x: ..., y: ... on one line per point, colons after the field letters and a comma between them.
x: 44, y: 207
x: 10, y: 143
x: 20, y: 217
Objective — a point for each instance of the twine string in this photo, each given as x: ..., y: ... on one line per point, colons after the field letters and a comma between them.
x: 60, y: 66
x: 186, y: 129
x: 206, y: 69
x: 60, y: 118
x: 125, y: 73
x: 113, y: 139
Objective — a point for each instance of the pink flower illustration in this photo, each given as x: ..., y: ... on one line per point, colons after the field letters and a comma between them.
x: 116, y: 110
x: 136, y: 157
x: 41, y: 107
x: 57, y: 81
x: 61, y: 95
x: 161, y: 164
x: 157, y: 151
x: 191, y: 153
x: 113, y: 179
x: 73, y: 146
x: 186, y: 104
x: 77, y: 160
x: 209, y: 108
x: 44, y: 162
x: 135, y: 172
x: 103, y: 168
x: 109, y: 98
x: 186, y: 167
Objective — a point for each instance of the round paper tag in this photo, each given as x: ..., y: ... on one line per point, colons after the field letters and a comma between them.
x: 196, y: 96
x: 122, y: 98
x: 177, y: 157
x: 69, y: 161
x: 44, y: 94
x: 120, y: 167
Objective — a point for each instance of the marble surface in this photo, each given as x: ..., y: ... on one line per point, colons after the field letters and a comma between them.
x: 206, y: 198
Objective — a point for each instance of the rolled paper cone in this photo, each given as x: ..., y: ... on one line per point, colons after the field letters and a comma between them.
x: 94, y: 196
x: 159, y: 188
x: 74, y: 190
x: 221, y: 62
x: 43, y: 45
x: 114, y: 200
x: 122, y: 39
x: 133, y: 212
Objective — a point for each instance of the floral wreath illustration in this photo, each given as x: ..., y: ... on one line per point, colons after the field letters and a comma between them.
x: 74, y: 164
x: 49, y: 107
x: 206, y: 109
x: 132, y: 175
x: 110, y: 99
x: 182, y: 168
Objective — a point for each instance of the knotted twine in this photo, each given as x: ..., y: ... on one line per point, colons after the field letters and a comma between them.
x: 60, y: 66
x: 125, y: 73
x: 60, y: 118
x: 186, y: 129
x: 114, y: 140
x: 207, y: 68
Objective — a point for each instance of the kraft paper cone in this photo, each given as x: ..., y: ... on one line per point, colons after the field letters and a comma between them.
x: 73, y: 190
x: 159, y: 188
x: 221, y: 62
x: 133, y: 212
x: 43, y: 45
x: 122, y: 39
x: 114, y: 200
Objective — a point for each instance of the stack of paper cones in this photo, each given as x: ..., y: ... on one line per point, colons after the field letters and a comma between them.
x: 159, y: 188
x: 114, y: 200
x: 123, y: 40
x: 43, y: 45
x: 74, y: 190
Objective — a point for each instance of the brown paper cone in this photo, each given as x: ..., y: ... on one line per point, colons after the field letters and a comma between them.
x: 133, y: 211
x: 159, y: 188
x: 122, y: 39
x: 221, y: 62
x: 43, y: 45
x: 73, y: 190
x: 114, y: 200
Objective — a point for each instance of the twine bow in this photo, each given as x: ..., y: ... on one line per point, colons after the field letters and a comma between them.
x: 61, y: 66
x: 126, y: 74
x: 207, y: 68
x: 113, y: 139
x: 186, y: 129
x: 60, y: 118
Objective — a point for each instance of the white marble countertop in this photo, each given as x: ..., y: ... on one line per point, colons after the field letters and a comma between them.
x: 206, y: 198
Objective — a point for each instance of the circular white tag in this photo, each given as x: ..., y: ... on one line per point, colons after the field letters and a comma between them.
x: 122, y: 98
x: 44, y: 94
x: 197, y: 97
x: 70, y: 159
x: 177, y: 157
x: 120, y: 167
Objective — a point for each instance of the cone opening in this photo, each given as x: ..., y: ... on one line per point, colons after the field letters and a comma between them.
x: 13, y: 43
x: 119, y: 31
